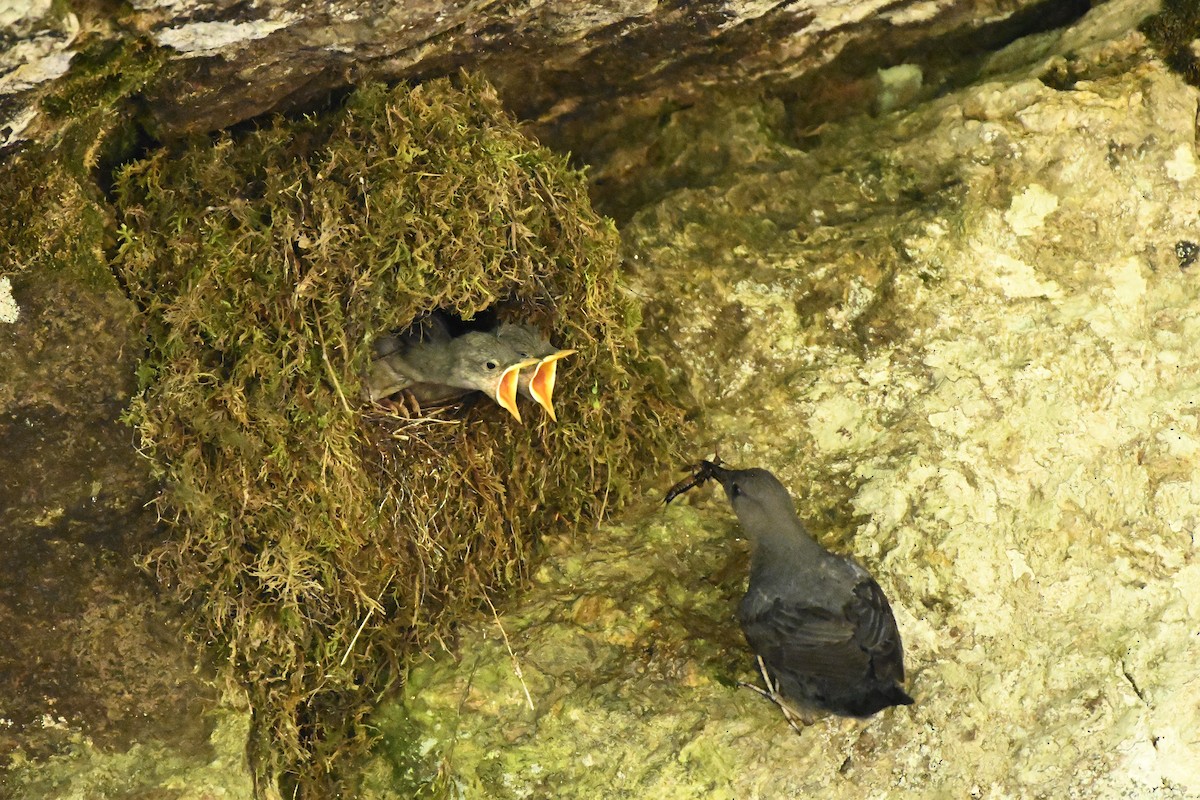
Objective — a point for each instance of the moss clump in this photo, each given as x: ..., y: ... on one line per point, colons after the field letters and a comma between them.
x: 319, y: 540
x: 66, y: 222
x: 1172, y: 31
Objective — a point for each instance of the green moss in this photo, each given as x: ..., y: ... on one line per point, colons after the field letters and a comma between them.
x: 57, y: 183
x: 101, y: 72
x: 1172, y: 32
x: 65, y: 218
x: 319, y: 539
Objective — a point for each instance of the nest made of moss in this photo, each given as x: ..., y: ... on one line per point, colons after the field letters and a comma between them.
x: 320, y: 539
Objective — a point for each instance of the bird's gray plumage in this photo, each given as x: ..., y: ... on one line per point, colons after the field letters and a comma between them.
x: 437, y: 368
x: 525, y: 339
x: 819, y: 621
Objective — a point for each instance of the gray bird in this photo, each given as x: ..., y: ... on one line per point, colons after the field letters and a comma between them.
x: 820, y: 625
x: 435, y: 368
x: 537, y: 384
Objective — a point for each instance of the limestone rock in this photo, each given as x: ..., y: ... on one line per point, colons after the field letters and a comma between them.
x: 571, y: 67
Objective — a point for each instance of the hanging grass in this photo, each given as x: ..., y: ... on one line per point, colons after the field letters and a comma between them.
x: 319, y: 539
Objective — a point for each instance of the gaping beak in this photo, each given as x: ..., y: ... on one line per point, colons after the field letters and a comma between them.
x: 541, y: 385
x: 506, y: 386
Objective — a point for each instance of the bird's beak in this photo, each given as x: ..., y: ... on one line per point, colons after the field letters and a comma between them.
x: 541, y: 385
x: 506, y: 386
x: 722, y: 475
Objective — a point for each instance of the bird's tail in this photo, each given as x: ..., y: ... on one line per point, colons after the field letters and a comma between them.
x: 875, y: 700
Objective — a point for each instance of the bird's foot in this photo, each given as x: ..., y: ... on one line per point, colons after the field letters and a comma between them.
x: 401, y: 403
x: 388, y: 404
x: 795, y: 718
x: 411, y: 405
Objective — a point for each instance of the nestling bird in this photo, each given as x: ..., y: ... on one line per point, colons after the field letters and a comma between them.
x: 435, y: 368
x: 537, y: 384
x: 819, y: 624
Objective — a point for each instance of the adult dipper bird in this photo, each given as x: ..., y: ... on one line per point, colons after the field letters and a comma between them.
x: 441, y: 369
x: 538, y: 384
x: 820, y: 625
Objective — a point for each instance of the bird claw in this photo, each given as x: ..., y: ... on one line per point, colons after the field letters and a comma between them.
x: 401, y: 402
x: 410, y: 403
x: 700, y: 473
x: 794, y: 717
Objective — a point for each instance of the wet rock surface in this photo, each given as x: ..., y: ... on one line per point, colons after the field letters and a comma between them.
x: 91, y: 655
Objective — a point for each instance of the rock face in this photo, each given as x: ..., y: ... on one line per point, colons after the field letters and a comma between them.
x: 964, y: 336
x: 90, y: 650
x: 229, y: 62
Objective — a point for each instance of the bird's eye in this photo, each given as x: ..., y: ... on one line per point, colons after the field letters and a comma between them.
x: 491, y: 365
x: 735, y: 491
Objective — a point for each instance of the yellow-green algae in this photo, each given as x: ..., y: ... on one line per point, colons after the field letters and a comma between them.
x: 628, y: 643
x: 86, y: 772
x: 319, y: 539
x: 963, y: 337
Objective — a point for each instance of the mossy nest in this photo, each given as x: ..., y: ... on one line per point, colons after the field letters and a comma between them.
x: 321, y: 539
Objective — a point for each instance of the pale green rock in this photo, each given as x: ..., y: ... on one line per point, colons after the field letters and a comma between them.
x: 87, y: 772
x: 897, y: 86
x: 962, y: 337
x: 9, y: 310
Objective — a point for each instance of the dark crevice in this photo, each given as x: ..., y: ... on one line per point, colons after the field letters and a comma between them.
x: 1133, y: 684
x: 948, y: 61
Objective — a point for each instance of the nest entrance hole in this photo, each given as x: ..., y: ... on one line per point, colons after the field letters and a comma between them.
x: 433, y: 326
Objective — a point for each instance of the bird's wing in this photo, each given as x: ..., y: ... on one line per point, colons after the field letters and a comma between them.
x: 433, y: 327
x: 801, y: 638
x: 411, y: 360
x: 385, y: 345
x: 875, y: 630
x: 859, y: 639
x: 383, y: 379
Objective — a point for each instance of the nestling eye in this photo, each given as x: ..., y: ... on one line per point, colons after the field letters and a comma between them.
x: 735, y: 491
x: 491, y: 365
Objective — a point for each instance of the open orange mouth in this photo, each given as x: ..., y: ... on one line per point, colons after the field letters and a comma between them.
x: 541, y: 385
x: 506, y: 386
